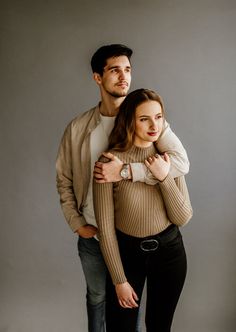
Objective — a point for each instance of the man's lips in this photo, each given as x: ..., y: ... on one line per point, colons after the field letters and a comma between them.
x: 122, y: 84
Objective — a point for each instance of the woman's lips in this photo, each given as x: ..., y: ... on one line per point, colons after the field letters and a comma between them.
x: 152, y: 133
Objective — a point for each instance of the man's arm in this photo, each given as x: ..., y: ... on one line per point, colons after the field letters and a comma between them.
x: 168, y: 143
x: 65, y: 183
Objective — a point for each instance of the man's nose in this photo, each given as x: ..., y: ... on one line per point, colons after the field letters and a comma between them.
x: 122, y: 75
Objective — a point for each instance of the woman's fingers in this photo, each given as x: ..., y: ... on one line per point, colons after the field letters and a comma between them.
x: 135, y: 296
x: 149, y: 161
x: 166, y: 158
x: 154, y: 158
x: 131, y: 303
x: 126, y: 295
x: 125, y: 304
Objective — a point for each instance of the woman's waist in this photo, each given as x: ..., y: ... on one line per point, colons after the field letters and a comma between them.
x: 161, y: 238
x: 141, y: 228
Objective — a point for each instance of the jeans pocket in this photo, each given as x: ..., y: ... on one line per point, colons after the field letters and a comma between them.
x: 88, y: 245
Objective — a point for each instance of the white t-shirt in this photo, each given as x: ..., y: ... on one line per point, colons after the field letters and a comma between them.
x: 98, y: 144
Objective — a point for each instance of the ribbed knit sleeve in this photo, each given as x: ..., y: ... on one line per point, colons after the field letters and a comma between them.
x: 104, y: 213
x: 176, y: 198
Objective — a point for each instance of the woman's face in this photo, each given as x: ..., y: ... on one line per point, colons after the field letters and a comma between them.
x: 148, y: 123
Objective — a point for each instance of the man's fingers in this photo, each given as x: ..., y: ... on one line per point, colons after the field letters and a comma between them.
x: 87, y: 231
x: 98, y: 176
x: 98, y: 165
x: 98, y: 170
x: 100, y: 181
x: 108, y: 155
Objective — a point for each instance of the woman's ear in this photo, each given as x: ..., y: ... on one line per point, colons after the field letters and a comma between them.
x: 97, y: 78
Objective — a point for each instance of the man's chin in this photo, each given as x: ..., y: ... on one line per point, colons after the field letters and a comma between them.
x: 119, y: 94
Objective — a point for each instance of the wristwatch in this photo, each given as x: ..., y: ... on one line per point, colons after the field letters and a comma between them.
x: 124, y: 173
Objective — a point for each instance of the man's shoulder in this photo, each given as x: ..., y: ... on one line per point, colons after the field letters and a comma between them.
x: 82, y: 118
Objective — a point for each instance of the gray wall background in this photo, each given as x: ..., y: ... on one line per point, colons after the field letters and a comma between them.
x: 184, y: 49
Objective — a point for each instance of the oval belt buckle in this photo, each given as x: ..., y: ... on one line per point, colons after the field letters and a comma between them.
x: 149, y: 245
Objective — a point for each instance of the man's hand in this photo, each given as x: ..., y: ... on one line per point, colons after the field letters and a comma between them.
x: 159, y: 166
x: 126, y: 295
x: 87, y: 231
x: 108, y: 172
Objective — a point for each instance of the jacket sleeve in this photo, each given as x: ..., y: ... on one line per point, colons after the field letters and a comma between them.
x: 65, y: 182
x: 176, y: 198
x: 168, y: 142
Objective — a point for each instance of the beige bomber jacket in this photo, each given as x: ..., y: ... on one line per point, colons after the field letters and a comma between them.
x: 73, y: 164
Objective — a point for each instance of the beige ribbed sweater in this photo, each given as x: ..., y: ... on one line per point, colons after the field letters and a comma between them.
x: 137, y: 209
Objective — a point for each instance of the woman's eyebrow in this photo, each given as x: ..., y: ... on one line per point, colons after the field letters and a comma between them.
x: 147, y: 116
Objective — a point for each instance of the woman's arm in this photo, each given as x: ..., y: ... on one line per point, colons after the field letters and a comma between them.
x: 174, y: 191
x: 104, y: 213
x: 176, y: 197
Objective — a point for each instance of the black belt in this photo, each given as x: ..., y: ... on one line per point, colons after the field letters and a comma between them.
x: 151, y: 243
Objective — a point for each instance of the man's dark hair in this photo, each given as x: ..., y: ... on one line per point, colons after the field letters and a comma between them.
x: 99, y: 59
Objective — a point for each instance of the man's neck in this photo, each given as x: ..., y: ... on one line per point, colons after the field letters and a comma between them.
x: 110, y: 107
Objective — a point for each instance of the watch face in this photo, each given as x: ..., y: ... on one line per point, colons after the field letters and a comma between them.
x: 124, y: 172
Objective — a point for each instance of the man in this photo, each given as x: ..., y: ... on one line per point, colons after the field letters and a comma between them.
x: 85, y: 138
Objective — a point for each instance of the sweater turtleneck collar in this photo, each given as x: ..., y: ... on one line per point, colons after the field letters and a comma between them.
x: 144, y: 152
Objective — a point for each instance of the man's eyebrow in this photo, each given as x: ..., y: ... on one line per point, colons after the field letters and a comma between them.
x: 114, y: 67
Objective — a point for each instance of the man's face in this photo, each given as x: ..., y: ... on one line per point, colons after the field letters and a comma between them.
x: 116, y: 77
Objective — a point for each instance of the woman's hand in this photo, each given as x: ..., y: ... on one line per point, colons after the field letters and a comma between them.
x: 159, y: 165
x: 126, y: 295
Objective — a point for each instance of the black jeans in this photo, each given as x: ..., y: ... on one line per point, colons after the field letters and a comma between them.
x: 164, y: 270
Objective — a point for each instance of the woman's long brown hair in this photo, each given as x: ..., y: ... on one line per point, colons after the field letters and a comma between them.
x: 122, y: 135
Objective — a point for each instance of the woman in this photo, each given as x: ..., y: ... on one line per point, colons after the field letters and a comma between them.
x: 138, y: 223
